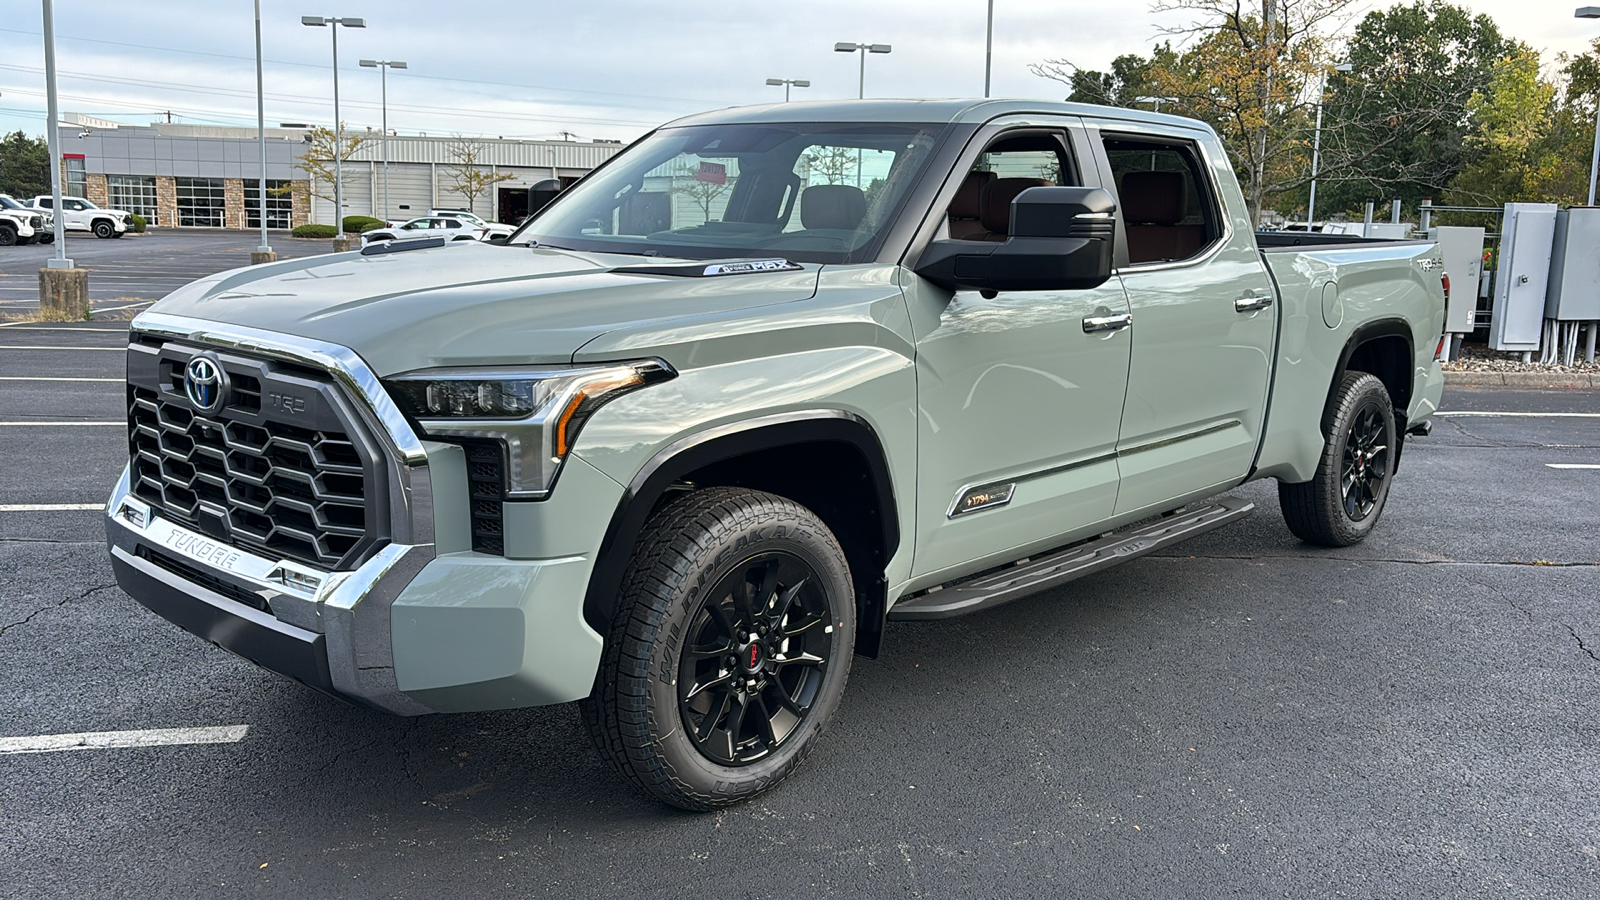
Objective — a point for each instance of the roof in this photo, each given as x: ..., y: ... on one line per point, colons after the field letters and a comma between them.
x: 940, y: 111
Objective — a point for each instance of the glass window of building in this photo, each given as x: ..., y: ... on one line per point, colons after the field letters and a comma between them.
x: 201, y: 202
x: 133, y: 193
x: 279, y: 203
x: 77, y: 183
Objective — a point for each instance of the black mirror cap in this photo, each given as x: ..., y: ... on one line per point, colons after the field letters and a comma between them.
x: 1062, y: 212
x: 1064, y: 243
x: 541, y: 193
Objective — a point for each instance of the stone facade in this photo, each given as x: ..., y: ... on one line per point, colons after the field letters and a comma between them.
x: 167, y: 200
x: 233, y: 215
x: 94, y: 189
x: 300, y: 211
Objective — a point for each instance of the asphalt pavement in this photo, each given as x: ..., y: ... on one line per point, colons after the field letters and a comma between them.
x: 1242, y: 716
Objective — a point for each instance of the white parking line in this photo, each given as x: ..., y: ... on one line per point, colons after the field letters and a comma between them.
x: 20, y: 326
x: 51, y: 378
x: 1520, y: 415
x: 110, y: 740
x: 108, y: 422
x: 48, y: 507
x: 84, y: 349
x: 1572, y: 465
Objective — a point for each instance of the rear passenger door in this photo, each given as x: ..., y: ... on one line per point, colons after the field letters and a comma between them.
x: 1204, y: 316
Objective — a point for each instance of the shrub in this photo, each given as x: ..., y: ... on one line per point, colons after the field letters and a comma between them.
x: 358, y: 224
x: 315, y: 231
x: 138, y: 224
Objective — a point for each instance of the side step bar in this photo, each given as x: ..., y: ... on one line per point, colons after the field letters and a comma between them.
x: 1034, y: 575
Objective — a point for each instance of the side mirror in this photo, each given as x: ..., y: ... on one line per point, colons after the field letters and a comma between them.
x: 1060, y: 238
x: 540, y: 195
x: 496, y: 239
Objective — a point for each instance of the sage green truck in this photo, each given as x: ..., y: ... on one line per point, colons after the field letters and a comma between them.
x: 766, y: 381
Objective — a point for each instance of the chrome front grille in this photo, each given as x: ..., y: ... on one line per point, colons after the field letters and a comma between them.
x: 285, y: 479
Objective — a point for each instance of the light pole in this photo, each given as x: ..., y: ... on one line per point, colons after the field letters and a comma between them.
x: 847, y: 47
x: 59, y: 261
x: 787, y: 83
x: 333, y: 23
x: 1316, y: 149
x: 1592, y: 12
x: 1156, y: 100
x: 383, y: 66
x: 263, y: 253
x: 988, y: 51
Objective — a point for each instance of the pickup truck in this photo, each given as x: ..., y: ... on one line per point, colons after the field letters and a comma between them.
x: 79, y: 214
x: 21, y: 225
x: 766, y: 381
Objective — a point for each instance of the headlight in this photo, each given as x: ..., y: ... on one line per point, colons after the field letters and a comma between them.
x: 534, y: 413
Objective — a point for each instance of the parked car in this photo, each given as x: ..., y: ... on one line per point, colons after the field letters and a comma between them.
x: 490, y: 229
x: 79, y: 214
x: 685, y: 474
x: 21, y: 225
x: 451, y: 228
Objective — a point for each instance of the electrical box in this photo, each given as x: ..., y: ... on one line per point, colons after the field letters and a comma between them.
x: 1462, y: 249
x: 1517, y: 320
x: 1574, y: 292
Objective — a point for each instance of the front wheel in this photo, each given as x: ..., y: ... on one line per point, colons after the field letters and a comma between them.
x: 729, y: 651
x: 1341, y: 503
x: 104, y: 229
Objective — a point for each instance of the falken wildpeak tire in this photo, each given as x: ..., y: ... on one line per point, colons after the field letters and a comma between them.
x: 660, y: 712
x: 1343, y: 501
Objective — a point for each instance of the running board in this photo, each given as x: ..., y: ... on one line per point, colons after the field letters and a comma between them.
x: 1031, y: 576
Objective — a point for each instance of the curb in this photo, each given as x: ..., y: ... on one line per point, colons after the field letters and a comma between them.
x: 1557, y: 380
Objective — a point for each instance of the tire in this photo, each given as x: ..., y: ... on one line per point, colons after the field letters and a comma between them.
x: 104, y: 229
x: 1343, y: 501
x: 48, y: 238
x: 676, y: 672
x: 117, y: 234
x: 8, y: 236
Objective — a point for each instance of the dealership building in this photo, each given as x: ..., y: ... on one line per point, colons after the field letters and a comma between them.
x: 207, y: 176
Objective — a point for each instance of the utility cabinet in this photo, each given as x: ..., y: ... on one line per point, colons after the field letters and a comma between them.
x: 1517, y: 320
x: 1574, y: 291
x: 1462, y: 249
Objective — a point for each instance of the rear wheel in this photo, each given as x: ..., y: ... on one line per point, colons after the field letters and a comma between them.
x: 1341, y: 503
x: 729, y: 651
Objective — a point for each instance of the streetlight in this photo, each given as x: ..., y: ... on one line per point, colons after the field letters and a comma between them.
x: 383, y: 66
x: 1156, y: 100
x: 1592, y: 12
x: 847, y: 47
x: 787, y: 82
x: 1316, y: 148
x: 988, y: 51
x: 332, y: 24
x: 264, y: 252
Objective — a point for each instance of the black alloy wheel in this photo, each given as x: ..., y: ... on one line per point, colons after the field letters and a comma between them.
x: 1342, y: 502
x: 754, y: 661
x: 104, y: 229
x: 8, y: 237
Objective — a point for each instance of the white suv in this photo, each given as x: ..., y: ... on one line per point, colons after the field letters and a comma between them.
x: 452, y: 227
x: 21, y: 225
x: 79, y: 214
x: 490, y: 229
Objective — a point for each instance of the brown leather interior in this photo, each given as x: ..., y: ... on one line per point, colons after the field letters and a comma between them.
x: 994, y: 211
x: 966, y: 206
x: 1153, y: 203
x: 832, y: 206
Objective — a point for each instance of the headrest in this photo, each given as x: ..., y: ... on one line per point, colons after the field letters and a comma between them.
x: 1154, y: 198
x: 839, y: 206
x: 997, y: 197
x: 968, y: 202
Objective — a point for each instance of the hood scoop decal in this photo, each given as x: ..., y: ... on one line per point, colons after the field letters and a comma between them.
x: 402, y: 246
x: 714, y: 269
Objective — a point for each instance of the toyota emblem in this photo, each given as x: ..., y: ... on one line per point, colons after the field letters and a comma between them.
x: 205, y: 383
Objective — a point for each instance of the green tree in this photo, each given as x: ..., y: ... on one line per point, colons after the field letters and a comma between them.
x: 1533, y: 137
x: 24, y: 165
x: 1396, y: 125
x: 1122, y: 86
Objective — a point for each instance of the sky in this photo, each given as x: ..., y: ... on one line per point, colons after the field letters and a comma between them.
x: 607, y: 69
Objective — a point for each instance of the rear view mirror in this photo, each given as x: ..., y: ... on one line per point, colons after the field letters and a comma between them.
x: 1060, y: 238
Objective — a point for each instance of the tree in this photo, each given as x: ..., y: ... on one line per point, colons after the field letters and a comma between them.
x: 702, y: 183
x: 1529, y: 144
x: 1122, y: 86
x: 470, y: 179
x: 836, y: 165
x: 24, y: 165
x: 317, y: 162
x: 1397, y: 124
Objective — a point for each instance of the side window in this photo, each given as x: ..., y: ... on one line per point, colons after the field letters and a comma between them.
x: 1168, y: 208
x: 73, y: 205
x: 46, y: 202
x: 981, y: 208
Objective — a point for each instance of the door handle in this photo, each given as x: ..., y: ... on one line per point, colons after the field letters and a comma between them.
x: 1251, y: 304
x: 1092, y: 324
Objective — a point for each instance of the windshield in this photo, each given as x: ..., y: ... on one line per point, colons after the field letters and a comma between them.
x: 814, y: 192
x: 8, y: 203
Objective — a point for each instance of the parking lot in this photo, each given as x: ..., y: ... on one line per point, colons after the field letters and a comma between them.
x: 1245, y: 715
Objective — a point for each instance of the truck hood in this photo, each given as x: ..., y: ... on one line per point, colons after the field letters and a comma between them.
x: 469, y: 303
